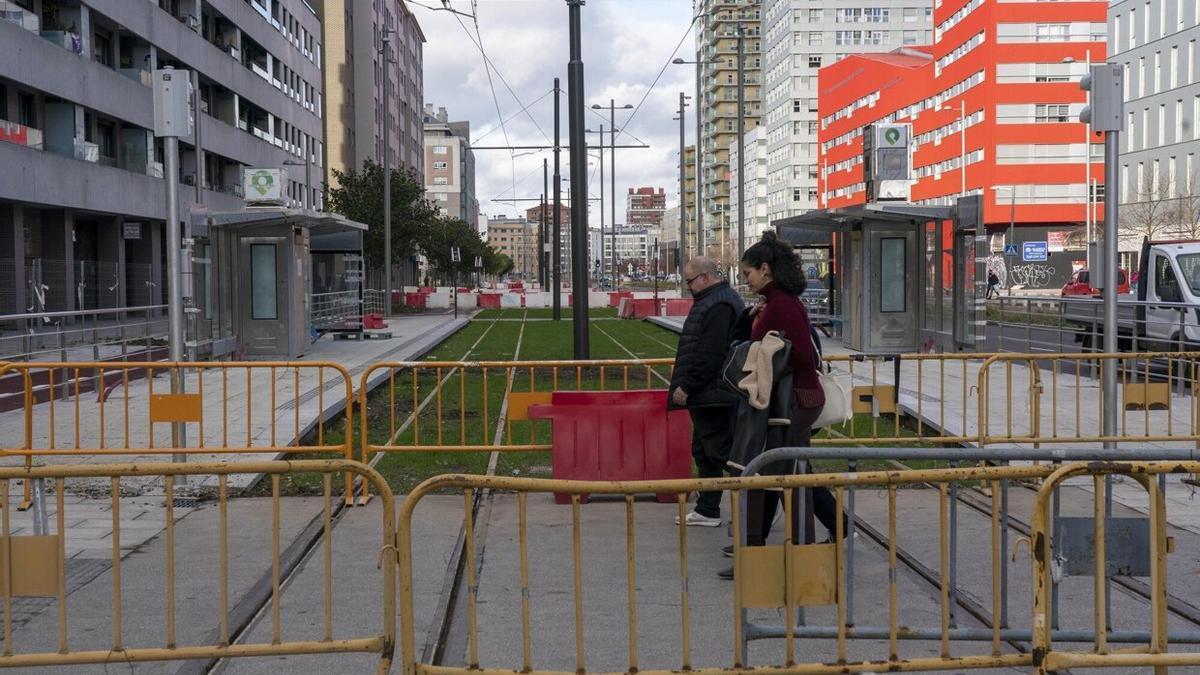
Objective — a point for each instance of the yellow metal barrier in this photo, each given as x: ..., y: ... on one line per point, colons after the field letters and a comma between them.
x: 123, y: 408
x: 1057, y: 398
x: 906, y: 398
x: 785, y: 577
x: 470, y: 405
x: 1047, y: 658
x: 35, y: 566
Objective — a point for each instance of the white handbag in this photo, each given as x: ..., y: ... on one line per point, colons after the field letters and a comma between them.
x: 837, y: 397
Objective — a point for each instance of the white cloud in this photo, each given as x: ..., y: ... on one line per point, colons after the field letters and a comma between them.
x: 626, y: 44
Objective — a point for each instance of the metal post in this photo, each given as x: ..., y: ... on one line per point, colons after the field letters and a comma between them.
x: 557, y: 262
x: 543, y: 263
x: 962, y: 139
x: 578, y: 158
x: 682, y: 200
x: 1087, y: 181
x: 174, y: 282
x: 387, y: 177
x: 603, y: 258
x: 1112, y: 150
x: 612, y: 232
x: 196, y: 137
x: 741, y: 141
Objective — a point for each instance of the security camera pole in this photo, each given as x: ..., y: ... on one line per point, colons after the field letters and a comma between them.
x: 172, y: 119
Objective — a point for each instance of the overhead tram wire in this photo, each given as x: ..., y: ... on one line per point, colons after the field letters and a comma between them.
x: 602, y: 117
x: 488, y: 62
x: 487, y: 69
x: 636, y: 108
x: 510, y: 117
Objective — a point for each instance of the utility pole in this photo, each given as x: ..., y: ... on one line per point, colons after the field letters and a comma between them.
x: 387, y: 175
x: 578, y: 158
x: 741, y: 140
x: 557, y: 262
x: 683, y: 253
x: 544, y: 235
x: 698, y: 215
x: 172, y: 119
x: 603, y: 257
x: 1105, y: 83
x: 612, y: 232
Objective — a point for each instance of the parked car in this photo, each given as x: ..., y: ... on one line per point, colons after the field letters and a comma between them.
x: 816, y: 299
x: 1080, y: 284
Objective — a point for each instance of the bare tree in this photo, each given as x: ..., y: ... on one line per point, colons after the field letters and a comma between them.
x: 1153, y: 212
x: 1187, y: 207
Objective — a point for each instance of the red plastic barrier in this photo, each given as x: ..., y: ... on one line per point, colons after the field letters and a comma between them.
x: 426, y: 290
x: 640, y: 308
x: 489, y: 300
x: 679, y: 306
x: 415, y: 300
x: 373, y: 322
x: 617, y: 435
x: 614, y: 297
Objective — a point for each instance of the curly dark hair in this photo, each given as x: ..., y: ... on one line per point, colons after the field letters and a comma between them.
x: 786, y: 272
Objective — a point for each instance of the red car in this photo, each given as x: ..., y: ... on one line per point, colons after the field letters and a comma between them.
x: 1079, y: 284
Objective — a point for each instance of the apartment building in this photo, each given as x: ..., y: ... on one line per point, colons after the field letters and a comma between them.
x: 644, y: 206
x: 354, y: 81
x: 82, y: 190
x: 635, y: 246
x: 1006, y: 76
x: 1160, y: 179
x: 450, y: 166
x: 688, y: 212
x: 719, y: 27
x: 534, y: 216
x: 517, y: 239
x: 800, y: 38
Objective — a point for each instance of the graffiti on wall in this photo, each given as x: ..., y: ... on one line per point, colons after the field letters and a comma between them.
x: 1032, y: 275
x: 995, y: 264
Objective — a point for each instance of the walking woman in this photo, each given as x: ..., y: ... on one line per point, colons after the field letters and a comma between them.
x: 771, y: 269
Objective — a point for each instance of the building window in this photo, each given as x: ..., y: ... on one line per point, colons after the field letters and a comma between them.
x: 439, y: 180
x: 814, y: 61
x: 1053, y: 112
x: 439, y: 165
x: 440, y: 149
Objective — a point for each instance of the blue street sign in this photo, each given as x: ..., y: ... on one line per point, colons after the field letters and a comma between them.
x: 1010, y: 250
x: 1034, y: 251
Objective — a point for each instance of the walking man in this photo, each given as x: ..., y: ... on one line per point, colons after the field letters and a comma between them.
x: 703, y: 344
x: 993, y: 282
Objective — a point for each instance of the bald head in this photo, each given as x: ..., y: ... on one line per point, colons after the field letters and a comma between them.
x: 703, y: 271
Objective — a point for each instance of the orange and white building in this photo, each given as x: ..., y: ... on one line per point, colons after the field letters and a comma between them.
x: 997, y: 91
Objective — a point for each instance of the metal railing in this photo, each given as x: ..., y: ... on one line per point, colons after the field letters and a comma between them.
x: 785, y: 578
x: 126, y: 408
x: 91, y: 335
x: 1066, y: 324
x: 35, y: 566
x: 1057, y: 398
x: 339, y: 309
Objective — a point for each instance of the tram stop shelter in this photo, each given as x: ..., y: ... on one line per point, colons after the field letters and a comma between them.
x: 902, y: 277
x: 254, y: 279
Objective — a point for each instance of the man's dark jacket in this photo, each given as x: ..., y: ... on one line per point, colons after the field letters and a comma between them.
x: 703, y: 344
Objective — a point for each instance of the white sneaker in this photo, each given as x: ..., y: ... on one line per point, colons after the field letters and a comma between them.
x: 699, y: 520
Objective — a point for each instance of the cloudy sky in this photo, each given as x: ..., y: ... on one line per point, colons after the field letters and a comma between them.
x: 626, y: 45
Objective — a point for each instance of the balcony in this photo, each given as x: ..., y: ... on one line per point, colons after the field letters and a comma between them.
x: 14, y: 13
x: 11, y: 132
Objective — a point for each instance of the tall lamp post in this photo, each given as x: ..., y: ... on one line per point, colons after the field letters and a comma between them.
x: 698, y: 217
x: 386, y: 61
x: 682, y: 195
x: 601, y: 133
x: 612, y: 122
x: 578, y: 159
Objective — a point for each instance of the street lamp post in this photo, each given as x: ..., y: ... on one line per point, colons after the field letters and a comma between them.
x: 557, y: 262
x: 601, y: 133
x: 385, y: 60
x: 697, y: 215
x: 682, y: 195
x: 612, y: 232
x: 578, y: 159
